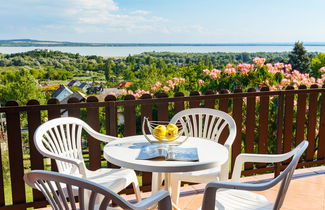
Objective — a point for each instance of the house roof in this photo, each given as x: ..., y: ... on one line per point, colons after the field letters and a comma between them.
x: 80, y: 96
x: 124, y: 84
x: 73, y: 82
x: 62, y: 92
x: 84, y: 84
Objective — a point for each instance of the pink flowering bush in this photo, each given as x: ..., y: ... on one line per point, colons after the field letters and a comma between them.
x: 259, y: 61
x: 243, y: 75
x: 274, y: 75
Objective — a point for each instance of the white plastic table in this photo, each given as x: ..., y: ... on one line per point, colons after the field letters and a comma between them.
x: 123, y: 152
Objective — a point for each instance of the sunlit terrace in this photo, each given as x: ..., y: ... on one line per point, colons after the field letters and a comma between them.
x: 267, y: 122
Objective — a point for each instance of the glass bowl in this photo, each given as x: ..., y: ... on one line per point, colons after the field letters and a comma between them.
x: 163, y: 132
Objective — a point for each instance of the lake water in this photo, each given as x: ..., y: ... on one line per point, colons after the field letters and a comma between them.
x: 125, y: 51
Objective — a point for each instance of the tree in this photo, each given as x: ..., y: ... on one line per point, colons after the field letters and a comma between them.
x: 22, y: 89
x: 317, y: 63
x: 299, y: 59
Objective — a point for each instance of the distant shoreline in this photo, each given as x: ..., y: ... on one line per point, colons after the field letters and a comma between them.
x: 38, y: 43
x: 152, y: 45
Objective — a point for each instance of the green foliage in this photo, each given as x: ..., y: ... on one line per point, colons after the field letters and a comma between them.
x: 299, y: 59
x: 21, y: 87
x: 316, y: 63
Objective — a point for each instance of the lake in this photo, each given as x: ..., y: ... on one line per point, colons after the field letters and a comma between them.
x: 125, y: 51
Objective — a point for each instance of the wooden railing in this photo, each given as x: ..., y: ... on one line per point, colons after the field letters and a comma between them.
x: 267, y: 122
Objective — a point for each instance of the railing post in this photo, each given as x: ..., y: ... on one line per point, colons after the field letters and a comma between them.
x: 129, y: 117
x: 279, y: 131
x: 196, y: 103
x: 111, y: 119
x: 36, y: 159
x: 312, y: 118
x: 263, y: 124
x: 73, y: 112
x: 94, y: 144
x: 237, y: 114
x: 179, y: 105
x: 163, y: 108
x: 15, y: 155
x: 111, y: 116
x: 223, y: 106
x: 250, y: 126
x: 288, y: 122
x: 321, y: 134
x: 209, y: 103
x: 146, y: 111
x: 301, y: 115
x: 52, y: 114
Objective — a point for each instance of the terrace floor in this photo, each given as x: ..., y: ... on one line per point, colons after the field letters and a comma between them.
x: 306, y: 191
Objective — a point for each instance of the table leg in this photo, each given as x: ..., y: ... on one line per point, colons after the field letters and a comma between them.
x: 156, y: 182
x: 156, y: 185
x: 168, y: 187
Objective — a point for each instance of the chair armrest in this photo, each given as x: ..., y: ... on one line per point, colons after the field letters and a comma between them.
x: 102, y: 137
x: 209, y: 198
x: 162, y: 198
x: 238, y: 186
x: 78, y: 163
x: 99, y: 136
x: 257, y: 158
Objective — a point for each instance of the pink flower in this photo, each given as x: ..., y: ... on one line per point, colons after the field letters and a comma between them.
x: 285, y: 82
x: 206, y: 71
x: 166, y: 88
x: 230, y: 71
x: 288, y: 67
x: 171, y: 84
x: 322, y: 70
x: 259, y: 61
x: 181, y: 80
x: 229, y: 65
x: 215, y: 74
x: 200, y: 82
x: 279, y: 66
x: 156, y: 86
x: 245, y: 68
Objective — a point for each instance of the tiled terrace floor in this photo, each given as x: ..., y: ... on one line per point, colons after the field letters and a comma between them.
x: 306, y: 191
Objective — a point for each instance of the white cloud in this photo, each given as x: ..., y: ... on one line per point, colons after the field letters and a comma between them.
x: 107, y: 15
x: 140, y: 12
x: 106, y: 5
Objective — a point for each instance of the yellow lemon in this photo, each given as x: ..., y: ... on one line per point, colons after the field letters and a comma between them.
x: 172, y: 132
x: 159, y: 132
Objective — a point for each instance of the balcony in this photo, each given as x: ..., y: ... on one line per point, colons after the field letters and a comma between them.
x: 267, y: 122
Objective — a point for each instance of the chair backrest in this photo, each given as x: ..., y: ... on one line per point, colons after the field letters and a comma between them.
x: 60, y: 191
x: 286, y: 175
x: 62, y: 137
x: 206, y: 123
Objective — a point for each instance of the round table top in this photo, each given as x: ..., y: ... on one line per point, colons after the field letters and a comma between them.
x: 123, y: 152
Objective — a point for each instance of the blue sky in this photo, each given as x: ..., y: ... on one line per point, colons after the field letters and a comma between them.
x: 164, y: 21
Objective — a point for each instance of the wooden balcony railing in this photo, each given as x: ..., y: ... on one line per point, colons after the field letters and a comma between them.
x: 267, y: 122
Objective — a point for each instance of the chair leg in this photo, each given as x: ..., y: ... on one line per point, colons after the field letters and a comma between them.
x: 176, y: 189
x: 137, y: 191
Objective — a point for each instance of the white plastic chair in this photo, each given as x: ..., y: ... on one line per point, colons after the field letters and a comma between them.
x: 59, y: 189
x: 208, y: 124
x: 60, y: 139
x: 235, y: 195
